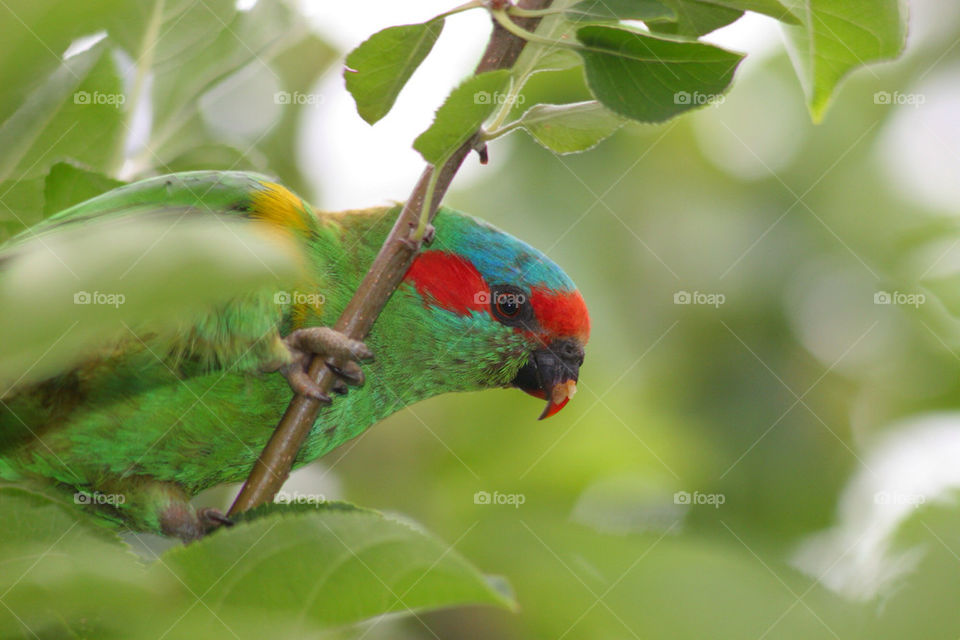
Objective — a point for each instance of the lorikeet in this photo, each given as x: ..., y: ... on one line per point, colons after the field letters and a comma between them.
x: 157, y: 418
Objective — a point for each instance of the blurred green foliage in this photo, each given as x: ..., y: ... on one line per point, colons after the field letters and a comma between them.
x: 771, y: 399
x: 283, y: 571
x: 799, y: 226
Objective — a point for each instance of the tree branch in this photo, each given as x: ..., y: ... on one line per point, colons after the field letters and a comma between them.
x: 396, y: 255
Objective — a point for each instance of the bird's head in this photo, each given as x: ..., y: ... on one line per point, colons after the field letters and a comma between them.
x: 508, y: 315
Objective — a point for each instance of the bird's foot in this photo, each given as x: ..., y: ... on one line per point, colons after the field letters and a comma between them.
x: 333, y: 347
x: 181, y: 520
x: 211, y: 519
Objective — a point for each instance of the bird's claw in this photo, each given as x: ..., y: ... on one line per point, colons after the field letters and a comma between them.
x: 331, y: 345
x: 301, y: 382
x: 211, y: 519
x: 349, y: 373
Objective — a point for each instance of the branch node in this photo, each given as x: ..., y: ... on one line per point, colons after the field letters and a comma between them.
x: 429, y: 233
x: 481, y: 148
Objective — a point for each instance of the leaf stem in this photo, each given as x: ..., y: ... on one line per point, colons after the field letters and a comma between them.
x: 144, y: 65
x: 494, y: 133
x: 466, y: 6
x: 520, y: 12
x: 425, y: 208
x: 500, y: 15
x: 507, y: 105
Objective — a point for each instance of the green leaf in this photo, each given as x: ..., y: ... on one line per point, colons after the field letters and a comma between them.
x: 945, y: 288
x: 569, y: 128
x: 195, y: 147
x: 269, y: 509
x: 271, y: 150
x: 188, y: 48
x: 39, y: 31
x: 21, y: 205
x: 772, y: 8
x: 63, y: 575
x: 694, y: 18
x: 199, y: 44
x: 39, y: 515
x: 279, y: 146
x: 377, y: 70
x: 537, y: 57
x: 67, y: 185
x: 596, y: 10
x: 461, y: 115
x: 292, y: 572
x: 136, y: 262
x: 181, y: 49
x: 327, y: 566
x: 650, y: 79
x: 838, y: 37
x: 76, y: 113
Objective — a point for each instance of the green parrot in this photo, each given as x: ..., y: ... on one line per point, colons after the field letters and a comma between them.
x: 477, y: 309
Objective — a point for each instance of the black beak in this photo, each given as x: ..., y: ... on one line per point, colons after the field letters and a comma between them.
x: 551, y: 373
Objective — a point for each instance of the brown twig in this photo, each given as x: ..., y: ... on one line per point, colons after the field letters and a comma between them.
x: 396, y: 255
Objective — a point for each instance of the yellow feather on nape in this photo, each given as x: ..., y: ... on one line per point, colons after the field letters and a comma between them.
x: 301, y: 312
x: 286, y: 220
x: 276, y: 204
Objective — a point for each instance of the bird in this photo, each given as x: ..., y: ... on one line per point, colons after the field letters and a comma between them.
x: 157, y: 417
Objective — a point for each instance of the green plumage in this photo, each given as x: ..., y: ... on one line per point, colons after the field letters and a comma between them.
x: 160, y: 417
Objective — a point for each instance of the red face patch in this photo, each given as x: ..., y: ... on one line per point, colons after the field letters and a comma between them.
x: 449, y: 282
x: 453, y: 283
x: 561, y: 314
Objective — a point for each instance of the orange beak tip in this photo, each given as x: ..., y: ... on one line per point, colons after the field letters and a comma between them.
x: 558, y: 398
x: 553, y: 408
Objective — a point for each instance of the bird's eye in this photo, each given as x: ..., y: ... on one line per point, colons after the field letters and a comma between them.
x: 509, y: 304
x: 508, y: 307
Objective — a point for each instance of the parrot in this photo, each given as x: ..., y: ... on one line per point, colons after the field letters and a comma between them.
x: 158, y: 418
